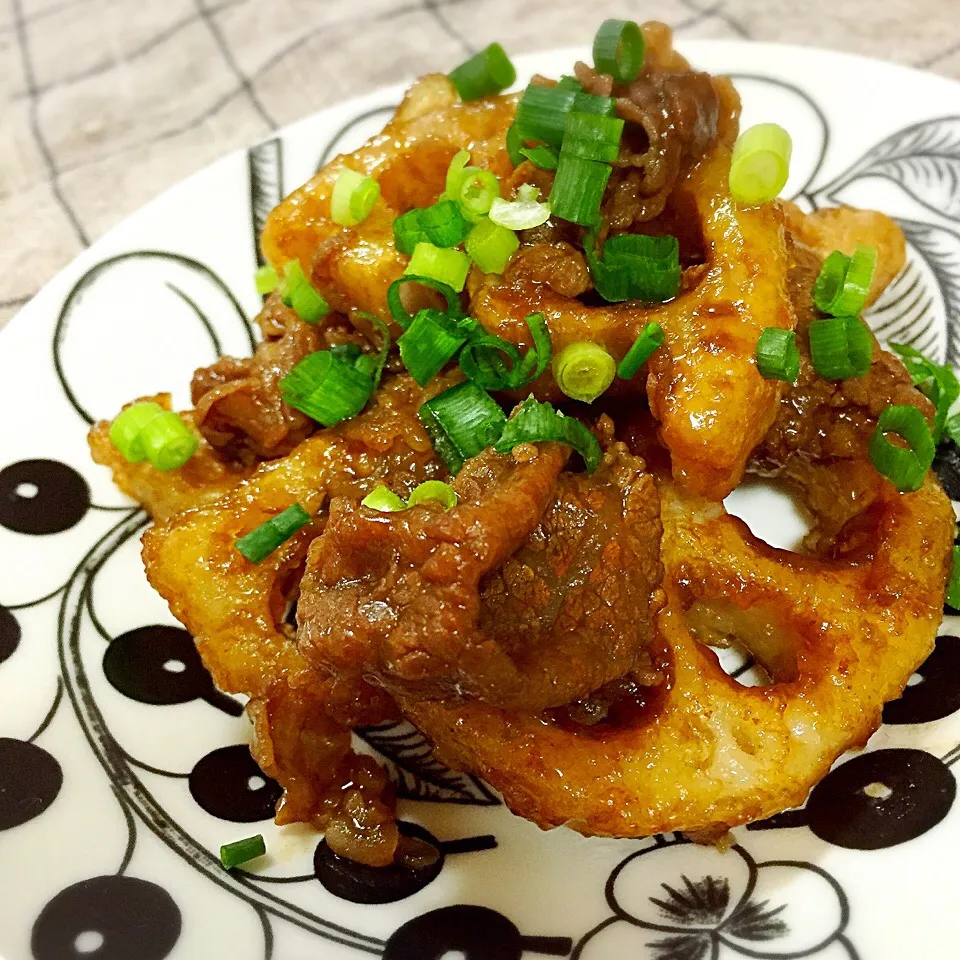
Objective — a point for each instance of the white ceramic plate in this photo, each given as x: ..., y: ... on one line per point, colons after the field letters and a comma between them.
x: 113, y: 806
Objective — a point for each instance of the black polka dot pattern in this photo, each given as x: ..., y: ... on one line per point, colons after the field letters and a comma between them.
x: 107, y: 918
x: 937, y: 694
x: 30, y: 780
x: 477, y: 932
x: 9, y: 634
x: 228, y: 784
x: 881, y: 799
x: 41, y: 497
x: 359, y: 883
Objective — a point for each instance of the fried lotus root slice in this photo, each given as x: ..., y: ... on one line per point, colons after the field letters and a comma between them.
x: 712, y: 405
x: 843, y: 228
x: 203, y: 479
x: 536, y: 589
x: 354, y: 266
x: 234, y: 609
x: 840, y: 635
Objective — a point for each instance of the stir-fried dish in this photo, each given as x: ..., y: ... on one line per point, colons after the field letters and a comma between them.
x: 516, y: 351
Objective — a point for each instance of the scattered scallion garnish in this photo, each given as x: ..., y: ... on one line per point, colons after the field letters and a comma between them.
x: 592, y: 137
x: 777, y: 355
x: 267, y: 280
x: 535, y: 422
x: 298, y: 293
x: 650, y: 339
x: 843, y: 284
x: 635, y: 267
x: 445, y: 266
x: 905, y: 467
x: 478, y: 190
x: 760, y: 164
x: 953, y: 584
x: 495, y: 364
x: 327, y: 387
x: 583, y: 371
x: 462, y: 422
x: 145, y: 431
x: 384, y: 500
x: 841, y: 348
x: 257, y: 545
x: 578, y: 189
x: 395, y: 301
x: 546, y: 158
x: 618, y: 49
x: 433, y: 491
x: 484, y: 74
x: 353, y: 197
x: 490, y: 246
x: 940, y: 385
x: 429, y: 343
x: 241, y: 851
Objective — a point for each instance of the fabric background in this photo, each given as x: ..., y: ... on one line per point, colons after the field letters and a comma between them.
x: 107, y: 102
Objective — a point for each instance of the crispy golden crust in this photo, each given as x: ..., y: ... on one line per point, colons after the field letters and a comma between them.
x: 707, y: 753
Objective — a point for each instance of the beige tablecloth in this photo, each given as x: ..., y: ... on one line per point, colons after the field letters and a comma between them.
x: 107, y: 102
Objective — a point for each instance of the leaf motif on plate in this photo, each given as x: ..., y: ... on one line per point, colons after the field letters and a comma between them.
x: 418, y: 774
x: 265, y: 162
x: 905, y: 313
x: 923, y: 159
x: 940, y: 249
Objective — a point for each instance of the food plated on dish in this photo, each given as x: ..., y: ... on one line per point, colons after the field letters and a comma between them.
x: 516, y: 352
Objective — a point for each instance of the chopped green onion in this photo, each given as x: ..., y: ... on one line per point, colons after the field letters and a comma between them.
x: 429, y: 343
x: 904, y: 467
x: 546, y: 158
x: 462, y: 422
x: 953, y: 584
x: 408, y: 231
x: 482, y: 359
x: 354, y: 196
x: 298, y: 293
x: 938, y: 383
x: 566, y: 82
x: 455, y: 174
x: 650, y: 339
x: 514, y: 144
x: 618, y: 49
x: 266, y: 279
x: 591, y: 103
x: 584, y: 370
x: 843, y: 284
x: 636, y: 267
x: 373, y: 366
x: 592, y: 137
x: 395, y: 301
x: 760, y: 164
x: 777, y: 355
x: 260, y: 542
x: 383, y: 499
x: 490, y: 246
x: 444, y: 224
x: 431, y: 491
x: 478, y: 189
x: 126, y: 429
x: 536, y: 422
x: 241, y: 851
x: 519, y: 214
x: 167, y: 441
x: 578, y: 189
x: 542, y: 113
x: 327, y: 388
x: 841, y: 348
x: 446, y: 266
x: 485, y: 73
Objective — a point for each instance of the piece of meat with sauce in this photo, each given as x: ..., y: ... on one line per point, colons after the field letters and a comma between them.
x: 238, y: 405
x: 538, y: 588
